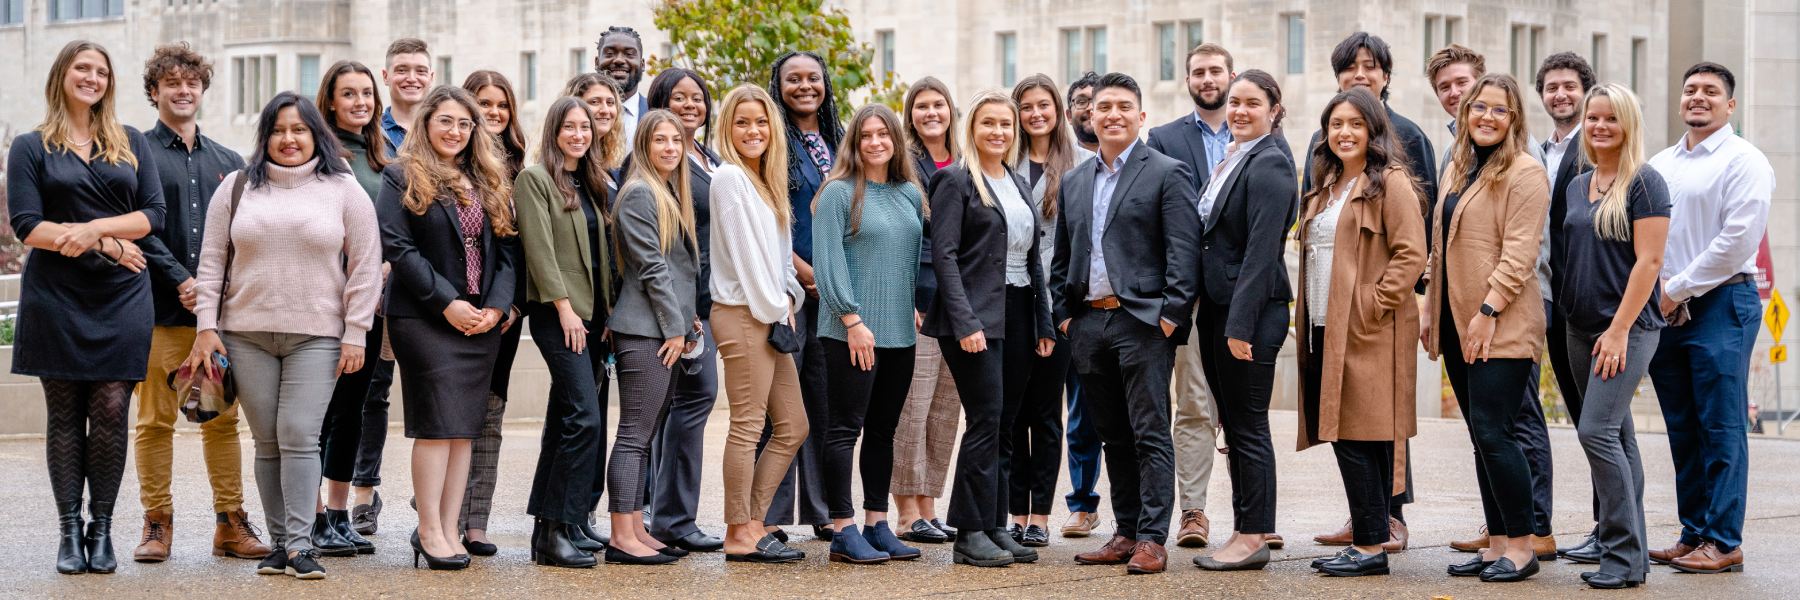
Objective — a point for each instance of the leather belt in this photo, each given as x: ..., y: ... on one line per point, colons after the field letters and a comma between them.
x: 1107, y: 303
x: 1739, y: 278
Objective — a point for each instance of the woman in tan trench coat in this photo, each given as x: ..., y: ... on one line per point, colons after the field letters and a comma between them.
x: 1363, y: 236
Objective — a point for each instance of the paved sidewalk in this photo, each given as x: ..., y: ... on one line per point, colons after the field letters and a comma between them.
x: 1311, y: 501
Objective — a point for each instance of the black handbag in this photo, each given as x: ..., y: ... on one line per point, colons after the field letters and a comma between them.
x: 784, y: 337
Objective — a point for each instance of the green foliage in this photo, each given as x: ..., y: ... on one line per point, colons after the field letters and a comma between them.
x: 732, y: 42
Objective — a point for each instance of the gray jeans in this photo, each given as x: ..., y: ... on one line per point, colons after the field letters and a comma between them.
x: 284, y: 383
x: 1607, y: 435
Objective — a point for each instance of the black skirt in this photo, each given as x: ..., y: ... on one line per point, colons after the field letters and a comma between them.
x: 444, y: 376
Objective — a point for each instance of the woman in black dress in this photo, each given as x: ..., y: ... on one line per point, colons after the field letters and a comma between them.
x: 78, y: 196
x: 447, y: 228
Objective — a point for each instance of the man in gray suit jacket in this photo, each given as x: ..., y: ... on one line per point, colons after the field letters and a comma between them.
x: 1124, y: 275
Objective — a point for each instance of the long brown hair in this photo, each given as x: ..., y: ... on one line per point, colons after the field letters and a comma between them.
x: 1061, y: 156
x: 590, y: 170
x: 771, y: 172
x: 1462, y: 156
x: 915, y: 144
x: 431, y: 179
x: 849, y: 167
x: 612, y: 145
x: 674, y: 199
x: 371, y: 133
x: 512, y: 140
x: 1328, y: 168
x: 110, y: 141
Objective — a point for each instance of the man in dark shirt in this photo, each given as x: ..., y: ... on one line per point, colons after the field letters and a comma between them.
x: 191, y: 166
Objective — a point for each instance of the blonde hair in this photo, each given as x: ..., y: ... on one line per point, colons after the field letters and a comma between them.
x: 1612, y: 220
x: 771, y: 176
x: 674, y: 207
x: 110, y: 141
x: 431, y: 179
x: 971, y: 160
x: 1463, y: 156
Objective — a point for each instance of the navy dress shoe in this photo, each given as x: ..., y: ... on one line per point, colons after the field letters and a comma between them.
x: 849, y: 546
x: 882, y: 538
x: 1356, y: 564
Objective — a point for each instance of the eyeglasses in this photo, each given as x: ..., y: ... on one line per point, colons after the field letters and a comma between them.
x: 1477, y: 109
x: 1081, y: 103
x: 447, y: 123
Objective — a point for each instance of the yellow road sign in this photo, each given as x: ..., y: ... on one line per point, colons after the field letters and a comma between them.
x: 1775, y: 315
x: 1777, y: 354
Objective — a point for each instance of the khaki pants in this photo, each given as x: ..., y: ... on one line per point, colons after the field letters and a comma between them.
x: 1196, y: 422
x: 157, y: 411
x: 760, y: 383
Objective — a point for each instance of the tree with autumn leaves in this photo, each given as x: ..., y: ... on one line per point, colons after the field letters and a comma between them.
x: 730, y: 42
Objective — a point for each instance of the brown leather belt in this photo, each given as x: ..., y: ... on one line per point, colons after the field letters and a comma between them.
x: 1107, y: 303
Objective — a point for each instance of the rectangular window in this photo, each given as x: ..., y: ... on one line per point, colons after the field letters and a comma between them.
x: 309, y: 75
x: 238, y: 86
x: 443, y: 74
x: 1072, y: 54
x: 269, y: 85
x: 1165, y: 51
x: 69, y: 10
x: 884, y: 52
x: 1637, y: 62
x: 528, y: 74
x: 1597, y: 55
x: 1431, y: 30
x: 1537, y: 47
x: 1516, y: 49
x: 578, y: 62
x: 1196, y: 35
x: 1097, y: 49
x: 1452, y: 30
x: 12, y: 12
x: 1295, y: 26
x: 255, y: 82
x: 1009, y: 58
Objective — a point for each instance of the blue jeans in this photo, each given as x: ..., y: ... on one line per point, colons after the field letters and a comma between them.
x: 1084, y: 452
x: 1702, y: 374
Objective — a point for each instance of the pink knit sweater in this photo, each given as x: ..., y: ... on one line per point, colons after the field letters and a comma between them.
x: 308, y: 257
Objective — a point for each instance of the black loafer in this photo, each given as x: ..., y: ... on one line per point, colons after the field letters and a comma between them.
x: 1356, y: 564
x: 1472, y: 568
x: 948, y: 530
x: 1503, y: 571
x: 1320, y: 562
x: 697, y: 541
x: 768, y: 551
x: 1608, y: 581
x: 1016, y: 532
x: 1588, y: 553
x: 822, y: 532
x: 921, y: 531
x: 480, y: 548
x: 672, y: 551
x: 1035, y: 537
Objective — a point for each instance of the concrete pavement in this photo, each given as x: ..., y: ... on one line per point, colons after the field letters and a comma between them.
x: 1311, y: 501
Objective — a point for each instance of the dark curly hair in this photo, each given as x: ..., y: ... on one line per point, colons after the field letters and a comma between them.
x: 1571, y: 61
x: 175, y: 59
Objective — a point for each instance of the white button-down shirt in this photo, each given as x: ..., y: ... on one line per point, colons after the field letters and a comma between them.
x: 1234, y: 154
x: 1719, y: 192
x: 1105, y: 181
x: 629, y: 111
x: 1555, y: 150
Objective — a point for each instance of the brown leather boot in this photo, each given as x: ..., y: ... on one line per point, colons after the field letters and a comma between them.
x: 1397, y: 536
x: 1195, y: 529
x: 1665, y: 555
x: 234, y: 536
x: 1474, y: 544
x: 1342, y: 537
x: 159, y: 528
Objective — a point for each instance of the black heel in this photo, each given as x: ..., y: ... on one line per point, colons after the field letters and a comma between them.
x: 452, y: 563
x: 71, y: 558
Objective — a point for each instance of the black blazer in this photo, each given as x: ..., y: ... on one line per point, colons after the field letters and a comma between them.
x: 1151, y: 239
x: 1181, y: 140
x: 925, y: 290
x: 1241, y: 247
x: 972, y: 296
x: 426, y: 251
x: 1574, y: 163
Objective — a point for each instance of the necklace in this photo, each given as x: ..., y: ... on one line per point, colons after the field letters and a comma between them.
x: 1606, y: 188
x: 76, y: 144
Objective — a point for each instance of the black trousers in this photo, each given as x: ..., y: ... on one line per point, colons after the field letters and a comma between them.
x: 803, y: 490
x: 340, y: 438
x: 1488, y: 394
x: 374, y: 419
x: 680, y: 445
x: 1567, y: 378
x: 1037, y: 434
x: 1242, y: 390
x: 991, y: 385
x: 1367, y: 467
x: 866, y: 405
x: 571, y: 467
x: 1125, y: 366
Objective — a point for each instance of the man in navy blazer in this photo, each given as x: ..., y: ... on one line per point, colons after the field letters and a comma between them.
x: 1124, y: 274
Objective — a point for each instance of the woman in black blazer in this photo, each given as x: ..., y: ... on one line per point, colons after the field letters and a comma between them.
x: 1246, y: 211
x: 990, y: 291
x: 447, y: 229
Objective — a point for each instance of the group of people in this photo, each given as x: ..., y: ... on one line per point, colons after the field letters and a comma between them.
x: 875, y: 281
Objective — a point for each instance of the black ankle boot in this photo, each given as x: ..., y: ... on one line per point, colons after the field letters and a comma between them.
x: 555, y: 548
x: 339, y: 521
x: 70, y: 557
x: 587, y: 530
x: 573, y: 533
x: 326, y: 539
x: 98, y: 543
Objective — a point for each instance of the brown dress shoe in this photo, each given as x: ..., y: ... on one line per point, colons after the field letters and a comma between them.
x: 1342, y: 537
x: 1194, y: 529
x: 1274, y: 541
x: 1080, y: 524
x: 159, y: 527
x: 1544, y: 546
x: 1707, y: 559
x: 1665, y: 555
x: 1474, y: 544
x: 234, y: 536
x: 1115, y: 552
x: 1150, y: 557
x: 1397, y: 537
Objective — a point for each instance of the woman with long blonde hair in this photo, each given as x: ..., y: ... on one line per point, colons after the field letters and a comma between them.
x: 654, y: 323
x: 449, y: 295
x: 1613, y: 314
x: 78, y: 196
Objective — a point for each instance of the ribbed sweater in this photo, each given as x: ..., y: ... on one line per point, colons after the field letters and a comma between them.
x: 871, y: 273
x: 308, y: 257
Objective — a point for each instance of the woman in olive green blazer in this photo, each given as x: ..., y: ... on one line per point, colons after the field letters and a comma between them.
x: 562, y: 205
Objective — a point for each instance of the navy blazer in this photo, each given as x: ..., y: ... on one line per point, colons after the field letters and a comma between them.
x: 972, y: 238
x: 1151, y: 240
x: 1241, y: 247
x: 429, y: 264
x: 804, y: 181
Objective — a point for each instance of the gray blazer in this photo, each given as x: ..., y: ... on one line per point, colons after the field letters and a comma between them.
x: 657, y: 298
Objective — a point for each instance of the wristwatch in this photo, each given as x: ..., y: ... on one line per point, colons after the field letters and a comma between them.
x: 1489, y: 310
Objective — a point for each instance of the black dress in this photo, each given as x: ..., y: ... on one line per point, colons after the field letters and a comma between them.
x: 81, y: 319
